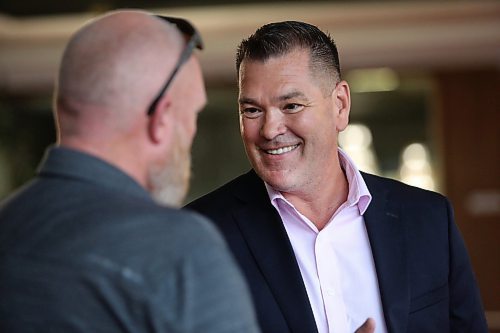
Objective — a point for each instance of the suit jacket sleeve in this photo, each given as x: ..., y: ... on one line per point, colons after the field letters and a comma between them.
x: 466, y: 311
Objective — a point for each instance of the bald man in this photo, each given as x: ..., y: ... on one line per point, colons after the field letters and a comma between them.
x: 94, y: 243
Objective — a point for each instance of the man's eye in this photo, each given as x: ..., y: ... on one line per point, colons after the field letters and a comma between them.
x: 250, y: 112
x: 293, y: 107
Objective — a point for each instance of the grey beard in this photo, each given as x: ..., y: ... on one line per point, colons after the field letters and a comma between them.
x: 170, y: 179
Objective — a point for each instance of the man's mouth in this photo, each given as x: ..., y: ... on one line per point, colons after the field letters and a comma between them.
x: 281, y: 150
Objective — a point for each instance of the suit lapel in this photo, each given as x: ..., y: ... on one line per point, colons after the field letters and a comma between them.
x: 263, y: 230
x: 387, y: 234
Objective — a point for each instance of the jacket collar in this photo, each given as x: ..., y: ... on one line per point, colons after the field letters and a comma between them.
x: 69, y: 163
x: 267, y: 239
x: 388, y: 239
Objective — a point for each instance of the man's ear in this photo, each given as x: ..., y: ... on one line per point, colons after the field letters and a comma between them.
x: 159, y: 124
x: 342, y: 100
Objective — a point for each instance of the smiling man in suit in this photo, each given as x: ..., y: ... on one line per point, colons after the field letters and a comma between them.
x: 327, y: 248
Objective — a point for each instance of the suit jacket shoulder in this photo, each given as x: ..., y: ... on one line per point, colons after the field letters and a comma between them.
x: 399, y: 191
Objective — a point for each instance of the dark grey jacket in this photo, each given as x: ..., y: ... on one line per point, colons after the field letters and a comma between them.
x: 83, y: 248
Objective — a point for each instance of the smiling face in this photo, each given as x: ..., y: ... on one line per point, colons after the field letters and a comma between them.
x: 289, y: 121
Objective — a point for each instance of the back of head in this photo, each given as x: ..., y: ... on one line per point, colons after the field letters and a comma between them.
x: 111, y: 69
x: 280, y: 38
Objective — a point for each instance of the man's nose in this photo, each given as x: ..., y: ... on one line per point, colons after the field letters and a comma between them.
x: 273, y: 125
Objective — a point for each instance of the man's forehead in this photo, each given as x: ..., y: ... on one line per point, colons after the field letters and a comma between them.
x: 277, y: 76
x: 300, y: 55
x: 281, y: 71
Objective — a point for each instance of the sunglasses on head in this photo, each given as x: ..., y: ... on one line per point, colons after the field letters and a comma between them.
x: 194, y: 40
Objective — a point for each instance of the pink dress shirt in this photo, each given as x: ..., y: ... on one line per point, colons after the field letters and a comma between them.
x: 336, y: 263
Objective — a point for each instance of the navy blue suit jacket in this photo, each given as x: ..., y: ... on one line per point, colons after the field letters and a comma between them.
x: 425, y: 277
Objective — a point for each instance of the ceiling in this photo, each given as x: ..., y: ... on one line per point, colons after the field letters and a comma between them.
x: 401, y: 35
x: 50, y: 7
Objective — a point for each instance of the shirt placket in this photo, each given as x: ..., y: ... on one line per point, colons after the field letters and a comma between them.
x: 329, y: 277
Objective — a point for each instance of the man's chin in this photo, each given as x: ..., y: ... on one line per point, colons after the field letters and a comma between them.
x: 280, y: 180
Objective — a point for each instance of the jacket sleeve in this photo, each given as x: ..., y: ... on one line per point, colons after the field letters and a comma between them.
x: 466, y: 311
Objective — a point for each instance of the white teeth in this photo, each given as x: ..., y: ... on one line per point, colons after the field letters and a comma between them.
x: 282, y: 150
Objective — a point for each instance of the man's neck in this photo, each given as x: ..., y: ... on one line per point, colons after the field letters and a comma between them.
x: 112, y: 154
x: 322, y: 201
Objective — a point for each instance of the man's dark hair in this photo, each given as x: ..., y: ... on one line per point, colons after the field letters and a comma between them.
x: 277, y: 39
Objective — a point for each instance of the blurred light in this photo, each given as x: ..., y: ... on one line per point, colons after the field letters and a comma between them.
x: 483, y: 202
x: 356, y: 135
x: 415, y: 167
x: 415, y: 156
x: 356, y: 141
x: 372, y: 80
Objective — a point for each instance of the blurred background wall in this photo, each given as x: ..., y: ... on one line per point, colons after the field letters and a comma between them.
x: 425, y: 78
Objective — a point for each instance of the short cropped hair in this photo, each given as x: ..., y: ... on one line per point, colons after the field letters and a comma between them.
x: 280, y: 38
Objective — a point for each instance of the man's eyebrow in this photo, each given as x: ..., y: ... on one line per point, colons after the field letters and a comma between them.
x: 246, y: 100
x: 285, y: 97
x: 291, y: 95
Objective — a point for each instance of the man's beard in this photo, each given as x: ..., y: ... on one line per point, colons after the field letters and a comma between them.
x: 170, y: 178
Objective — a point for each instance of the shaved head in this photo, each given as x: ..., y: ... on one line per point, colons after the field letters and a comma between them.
x: 111, y: 72
x: 112, y: 68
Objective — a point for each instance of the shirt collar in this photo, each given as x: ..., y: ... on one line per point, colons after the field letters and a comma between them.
x: 358, y: 191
